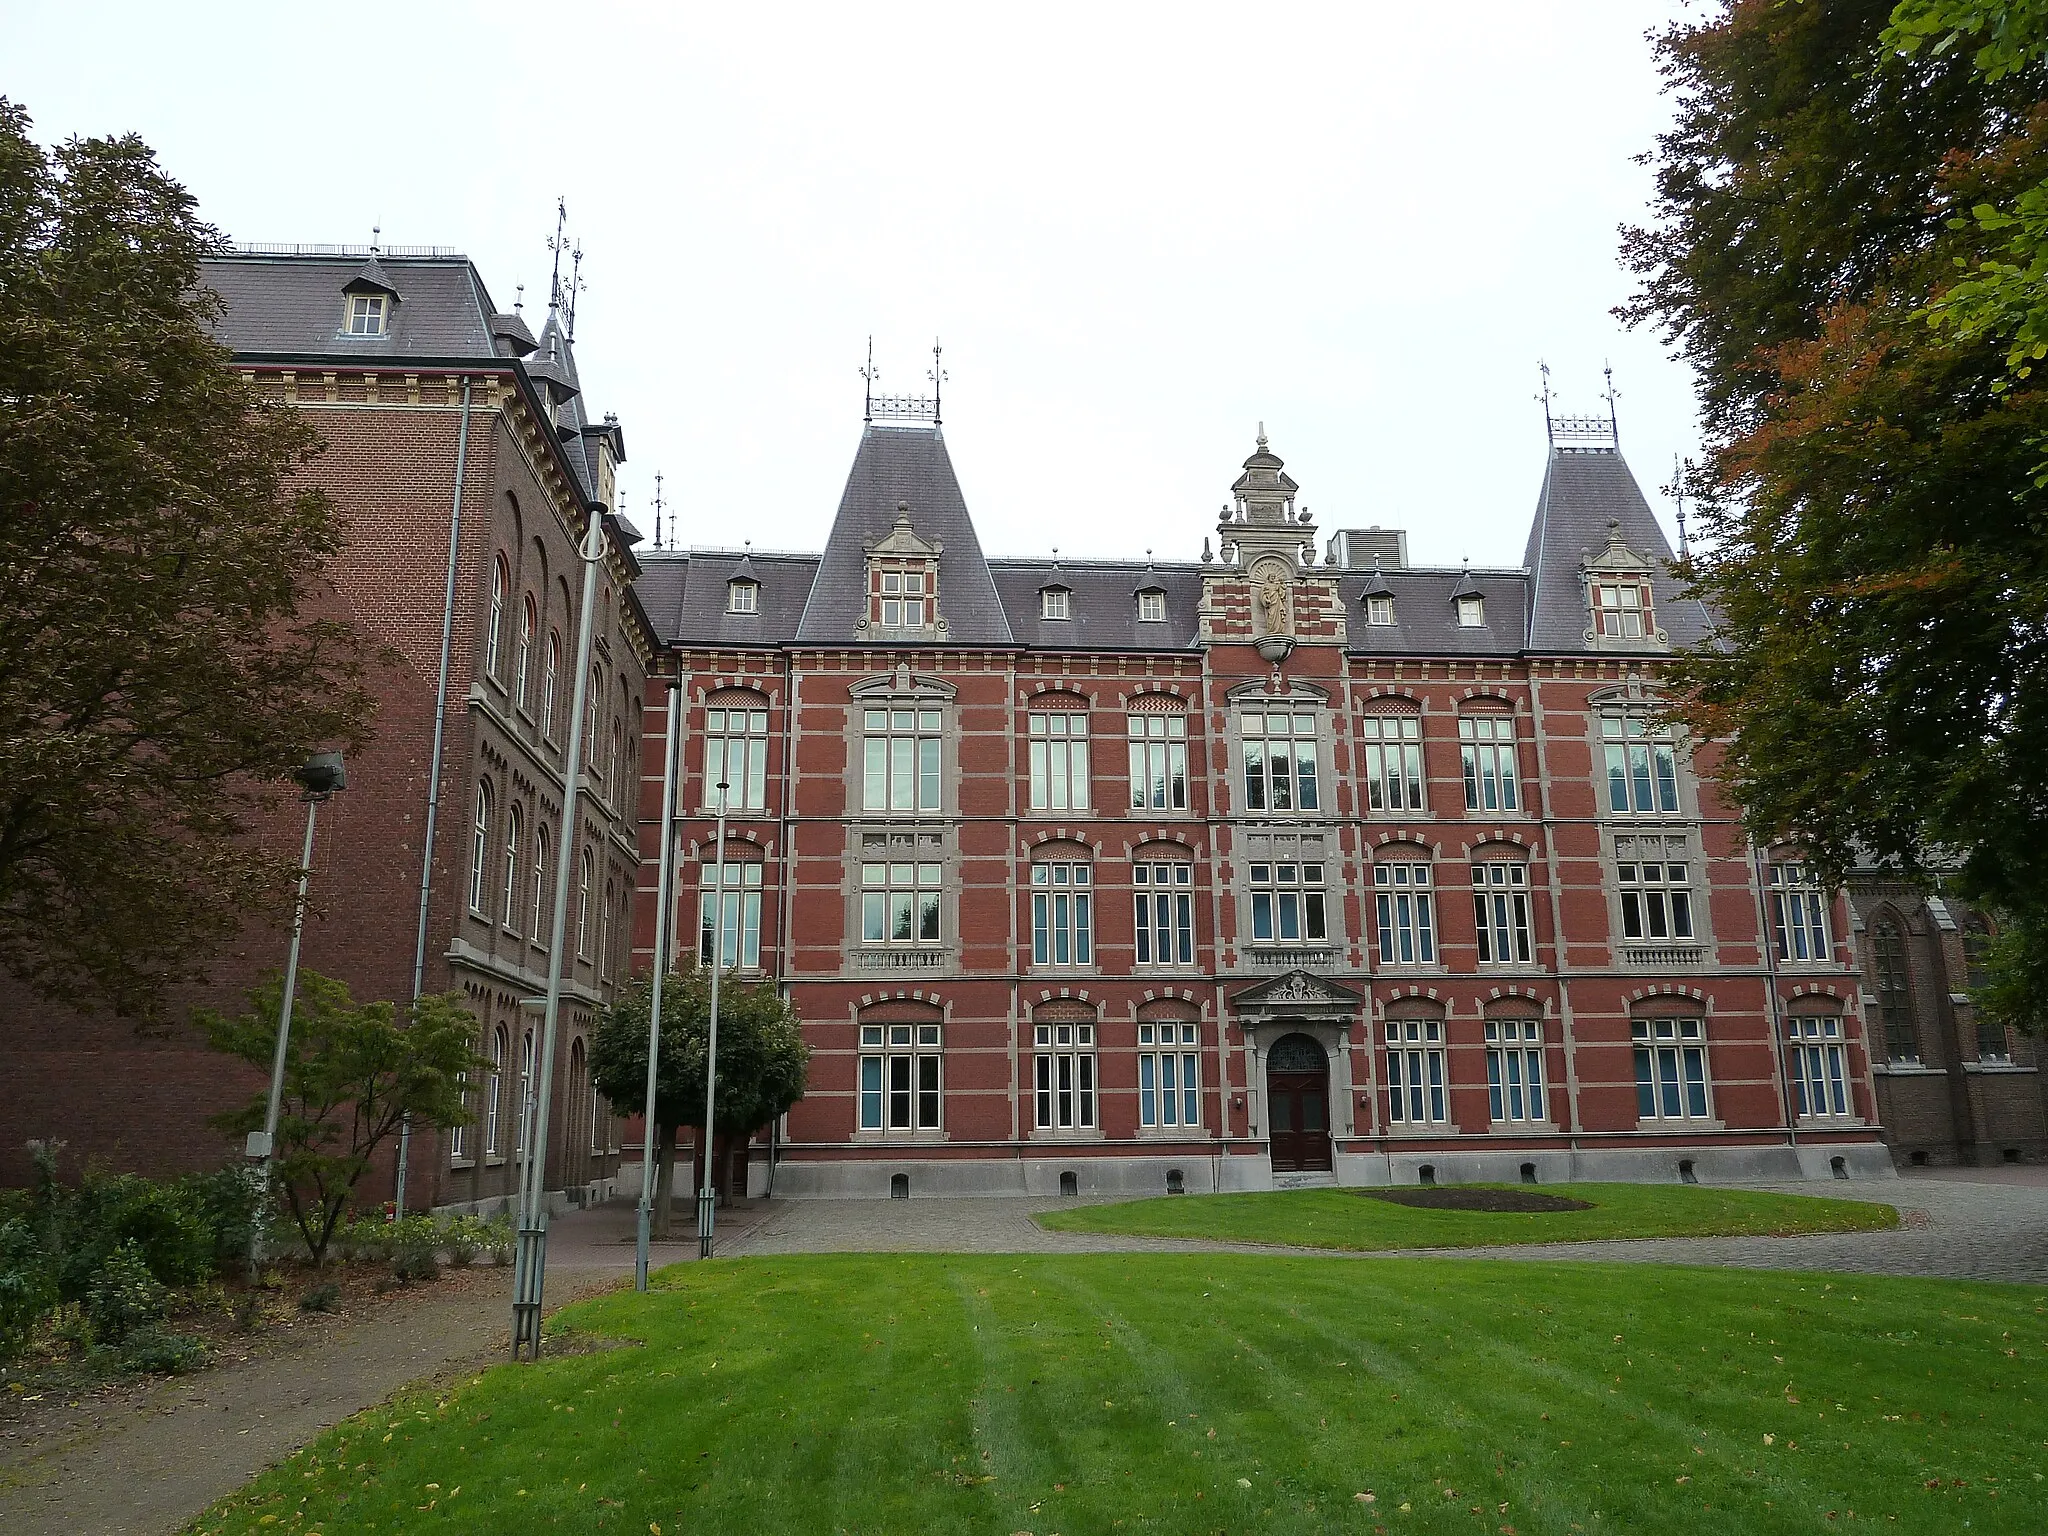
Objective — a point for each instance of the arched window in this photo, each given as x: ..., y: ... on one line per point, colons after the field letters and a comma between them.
x: 1500, y: 910
x: 1401, y: 901
x: 494, y: 1092
x: 480, y: 848
x: 540, y: 876
x: 621, y: 781
x: 1392, y: 752
x: 1059, y: 753
x: 550, y: 679
x: 579, y: 1085
x: 1992, y: 1043
x: 529, y: 621
x: 1063, y: 911
x: 501, y: 582
x: 736, y: 749
x: 1894, y: 991
x: 513, y: 831
x: 1157, y: 727
x: 1169, y: 1065
x: 583, y: 907
x: 742, y: 945
x: 604, y: 927
x: 526, y: 1091
x: 1165, y: 908
x: 1063, y: 1066
x: 591, y: 710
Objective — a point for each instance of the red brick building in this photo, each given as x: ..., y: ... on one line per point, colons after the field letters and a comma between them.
x: 1290, y: 864
x: 436, y: 407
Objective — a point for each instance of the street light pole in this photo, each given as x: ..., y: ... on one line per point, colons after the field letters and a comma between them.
x: 662, y: 897
x: 322, y: 776
x: 530, y: 1256
x: 707, y: 1197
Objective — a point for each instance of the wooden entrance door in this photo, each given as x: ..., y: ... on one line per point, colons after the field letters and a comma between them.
x: 1298, y: 1105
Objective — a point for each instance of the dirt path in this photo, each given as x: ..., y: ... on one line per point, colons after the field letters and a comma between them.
x: 156, y: 1460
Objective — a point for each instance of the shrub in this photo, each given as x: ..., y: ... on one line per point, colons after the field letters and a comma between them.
x: 164, y: 1222
x: 461, y: 1236
x: 123, y: 1296
x: 226, y: 1201
x: 28, y: 1287
x: 415, y: 1245
x: 158, y: 1352
x: 322, y: 1298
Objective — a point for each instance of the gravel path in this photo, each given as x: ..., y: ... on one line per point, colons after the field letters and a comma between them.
x: 1951, y: 1229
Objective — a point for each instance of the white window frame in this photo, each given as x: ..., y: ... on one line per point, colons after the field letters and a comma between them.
x: 1501, y: 913
x: 1163, y: 905
x: 736, y: 750
x: 1151, y: 607
x: 1674, y: 1073
x: 527, y: 1074
x: 1055, y: 603
x: 1656, y: 894
x: 902, y: 1068
x: 901, y: 599
x: 901, y: 759
x: 1489, y: 759
x: 1058, y: 752
x: 1158, y: 761
x: 1515, y: 1083
x: 1169, y: 1075
x: 494, y: 629
x: 742, y: 596
x: 1418, y: 1073
x: 742, y: 943
x: 1471, y: 611
x: 1280, y: 765
x: 529, y: 622
x: 514, y: 831
x: 1799, y: 914
x: 367, y: 314
x: 1819, y: 1047
x: 1379, y: 611
x: 898, y: 895
x: 1405, y: 909
x: 1063, y: 914
x: 1288, y: 893
x: 458, y: 1135
x: 1622, y: 609
x: 495, y: 1089
x: 584, y: 875
x: 540, y: 877
x: 1641, y: 766
x: 1394, y: 779
x: 1063, y: 1077
x: 480, y: 849
x: 550, y: 681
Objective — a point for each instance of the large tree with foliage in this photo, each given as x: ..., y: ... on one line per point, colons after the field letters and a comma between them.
x: 1876, y: 542
x: 763, y: 1063
x: 159, y: 670
x: 353, y: 1071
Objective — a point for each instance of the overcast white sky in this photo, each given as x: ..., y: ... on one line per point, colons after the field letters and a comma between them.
x: 1138, y: 229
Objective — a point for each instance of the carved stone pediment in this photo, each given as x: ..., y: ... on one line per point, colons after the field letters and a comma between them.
x: 1298, y: 990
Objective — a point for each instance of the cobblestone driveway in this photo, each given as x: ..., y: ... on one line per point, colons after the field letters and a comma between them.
x: 1950, y: 1229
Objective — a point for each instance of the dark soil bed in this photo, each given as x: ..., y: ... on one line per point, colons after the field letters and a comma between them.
x: 1513, y: 1200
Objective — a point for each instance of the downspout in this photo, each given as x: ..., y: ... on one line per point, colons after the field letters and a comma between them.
x: 419, y: 946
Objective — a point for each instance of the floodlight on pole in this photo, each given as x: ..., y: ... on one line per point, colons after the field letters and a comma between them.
x: 530, y: 1255
x: 662, y: 887
x: 707, y: 1197
x: 322, y: 776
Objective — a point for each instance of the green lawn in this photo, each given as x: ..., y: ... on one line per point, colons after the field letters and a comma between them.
x: 1345, y: 1218
x: 1201, y: 1393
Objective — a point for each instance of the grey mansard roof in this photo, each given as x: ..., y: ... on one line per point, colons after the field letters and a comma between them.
x: 1103, y: 602
x: 1426, y: 619
x: 895, y: 465
x: 1583, y: 492
x: 685, y: 594
x: 292, y: 306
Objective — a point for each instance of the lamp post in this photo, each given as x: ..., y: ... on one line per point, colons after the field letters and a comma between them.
x: 323, y: 776
x: 707, y: 1197
x: 530, y: 1256
x: 662, y: 898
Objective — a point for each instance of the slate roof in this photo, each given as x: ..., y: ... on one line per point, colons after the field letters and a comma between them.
x: 1425, y: 617
x: 1103, y: 603
x: 292, y: 306
x: 1582, y: 493
x: 684, y: 594
x: 903, y: 464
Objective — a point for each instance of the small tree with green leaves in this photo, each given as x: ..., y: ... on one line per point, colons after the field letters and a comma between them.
x: 763, y: 1063
x: 353, y: 1072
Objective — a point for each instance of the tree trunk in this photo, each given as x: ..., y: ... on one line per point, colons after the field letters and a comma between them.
x: 664, y: 1177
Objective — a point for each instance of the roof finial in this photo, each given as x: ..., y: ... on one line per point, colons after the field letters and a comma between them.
x: 938, y: 377
x: 575, y: 285
x: 868, y: 376
x: 518, y: 297
x: 1549, y: 435
x: 558, y: 243
x: 376, y: 234
x: 657, y: 510
x: 1262, y: 434
x: 1610, y: 397
x: 1680, y: 468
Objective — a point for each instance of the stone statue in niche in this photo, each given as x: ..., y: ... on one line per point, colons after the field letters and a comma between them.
x: 1272, y: 597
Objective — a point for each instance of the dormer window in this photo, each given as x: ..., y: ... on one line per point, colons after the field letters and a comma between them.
x: 742, y: 597
x: 1052, y: 603
x: 902, y: 599
x: 366, y: 313
x: 1152, y: 607
x: 1379, y: 610
x: 1471, y: 611
x: 1621, y: 609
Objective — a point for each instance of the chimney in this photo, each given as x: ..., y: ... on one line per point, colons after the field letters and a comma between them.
x: 1358, y: 549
